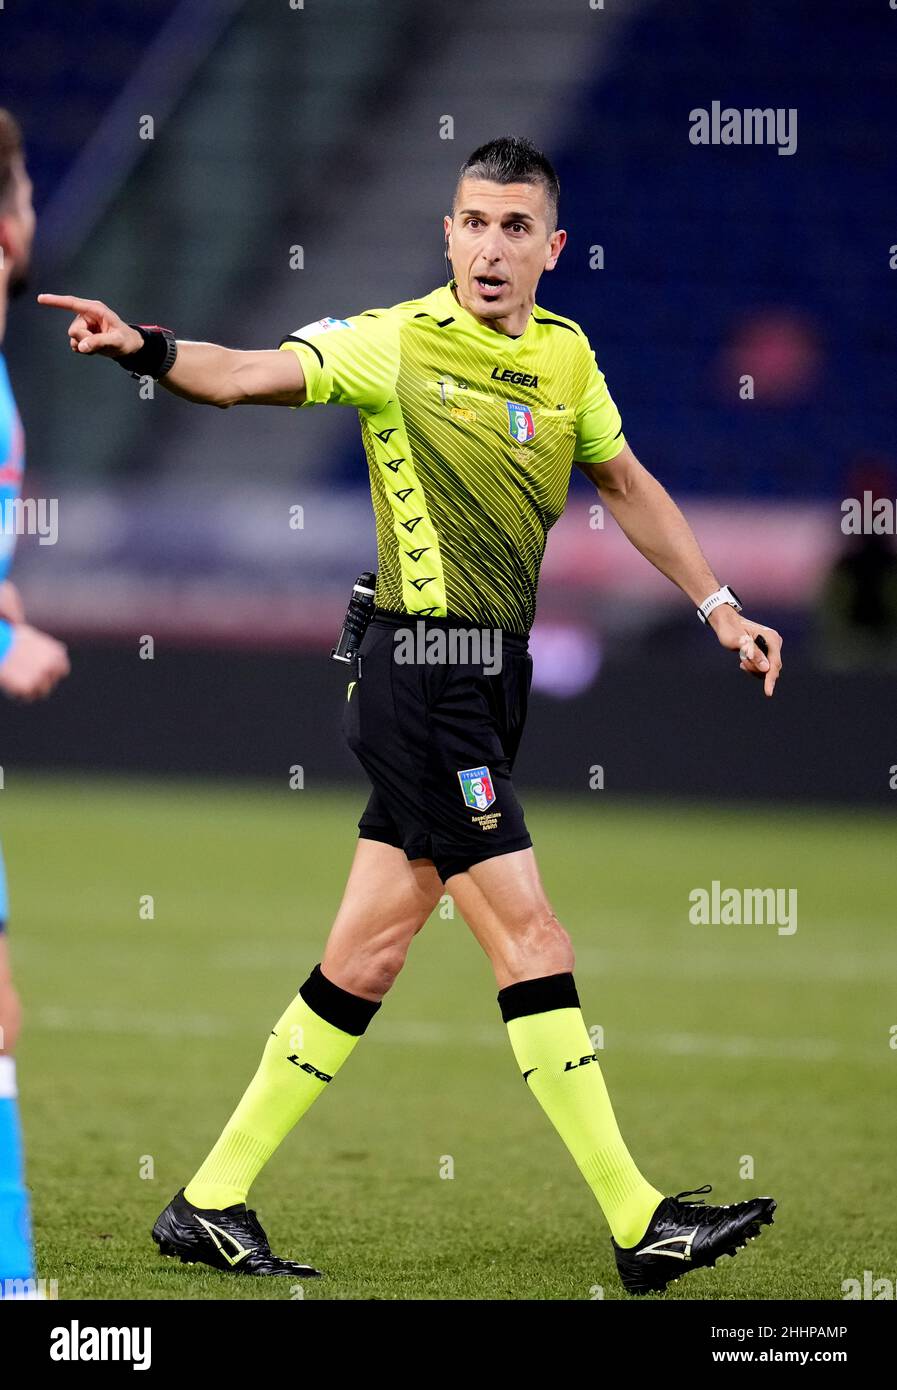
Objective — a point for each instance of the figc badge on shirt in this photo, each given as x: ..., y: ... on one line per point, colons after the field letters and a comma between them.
x: 320, y: 326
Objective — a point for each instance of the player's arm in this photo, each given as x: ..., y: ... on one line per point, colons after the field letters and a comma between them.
x: 202, y: 372
x: 12, y: 609
x: 31, y: 663
x: 650, y: 519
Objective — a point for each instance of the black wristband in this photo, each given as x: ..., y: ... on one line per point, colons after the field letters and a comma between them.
x: 157, y: 355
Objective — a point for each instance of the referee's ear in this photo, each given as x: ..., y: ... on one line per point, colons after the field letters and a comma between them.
x: 558, y: 241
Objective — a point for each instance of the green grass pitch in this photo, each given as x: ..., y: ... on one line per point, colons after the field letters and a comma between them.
x: 722, y: 1045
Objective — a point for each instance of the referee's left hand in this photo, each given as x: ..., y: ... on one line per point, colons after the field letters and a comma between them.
x: 737, y: 633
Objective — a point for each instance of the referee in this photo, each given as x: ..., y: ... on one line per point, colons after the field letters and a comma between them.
x: 474, y: 404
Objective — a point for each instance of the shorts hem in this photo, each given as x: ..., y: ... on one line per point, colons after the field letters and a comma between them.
x: 447, y: 865
x: 416, y: 849
x: 376, y: 832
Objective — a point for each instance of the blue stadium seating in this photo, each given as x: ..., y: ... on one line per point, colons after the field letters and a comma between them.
x: 697, y: 239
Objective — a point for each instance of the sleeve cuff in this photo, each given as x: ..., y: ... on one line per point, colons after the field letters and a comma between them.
x: 312, y: 367
x: 604, y: 453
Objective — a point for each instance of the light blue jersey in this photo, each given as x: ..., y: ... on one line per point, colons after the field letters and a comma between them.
x: 16, y: 1251
x: 12, y: 465
x: 16, y: 1248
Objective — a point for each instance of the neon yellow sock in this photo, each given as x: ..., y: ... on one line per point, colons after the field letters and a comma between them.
x: 300, y: 1059
x: 555, y: 1054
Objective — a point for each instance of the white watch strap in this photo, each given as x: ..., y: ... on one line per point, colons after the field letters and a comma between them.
x: 723, y: 595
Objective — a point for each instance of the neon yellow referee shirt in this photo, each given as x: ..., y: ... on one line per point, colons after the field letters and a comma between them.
x: 470, y: 437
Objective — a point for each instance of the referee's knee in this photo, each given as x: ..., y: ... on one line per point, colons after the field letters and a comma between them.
x: 385, y: 967
x: 537, y: 946
x: 371, y: 973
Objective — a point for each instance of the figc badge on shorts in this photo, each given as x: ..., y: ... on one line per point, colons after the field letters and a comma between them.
x: 476, y: 786
x: 521, y: 425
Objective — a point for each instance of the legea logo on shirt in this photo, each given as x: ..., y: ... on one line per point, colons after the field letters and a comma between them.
x: 320, y: 326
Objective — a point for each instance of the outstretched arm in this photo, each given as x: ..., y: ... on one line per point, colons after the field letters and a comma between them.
x: 650, y: 519
x: 202, y: 372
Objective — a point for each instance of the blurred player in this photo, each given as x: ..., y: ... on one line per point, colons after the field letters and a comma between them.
x: 31, y: 663
x: 474, y: 404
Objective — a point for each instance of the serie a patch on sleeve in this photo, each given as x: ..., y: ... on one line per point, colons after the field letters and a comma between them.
x: 320, y: 326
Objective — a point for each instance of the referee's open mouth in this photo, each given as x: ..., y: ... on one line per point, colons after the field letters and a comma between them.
x: 490, y: 286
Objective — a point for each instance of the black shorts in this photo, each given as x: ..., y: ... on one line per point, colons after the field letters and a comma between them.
x: 438, y: 741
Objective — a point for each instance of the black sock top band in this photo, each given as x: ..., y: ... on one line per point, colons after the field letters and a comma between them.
x: 538, y: 996
x: 348, y: 1012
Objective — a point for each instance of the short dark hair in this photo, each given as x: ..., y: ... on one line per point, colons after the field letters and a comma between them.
x: 11, y: 152
x: 513, y: 160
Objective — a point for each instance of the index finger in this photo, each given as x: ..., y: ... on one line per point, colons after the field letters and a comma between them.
x: 772, y: 676
x: 775, y: 667
x: 68, y: 301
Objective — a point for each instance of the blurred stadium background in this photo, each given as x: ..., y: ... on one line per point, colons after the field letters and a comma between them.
x: 320, y: 128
